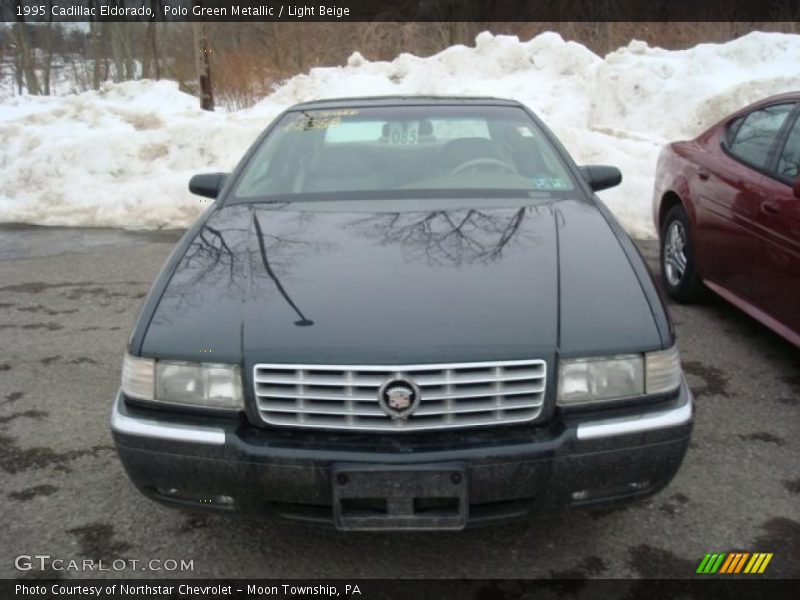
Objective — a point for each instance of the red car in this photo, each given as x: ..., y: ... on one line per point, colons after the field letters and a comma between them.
x: 727, y: 209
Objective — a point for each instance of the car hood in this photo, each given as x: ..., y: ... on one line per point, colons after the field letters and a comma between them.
x: 409, y: 282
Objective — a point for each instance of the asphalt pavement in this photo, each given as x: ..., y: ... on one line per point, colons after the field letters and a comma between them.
x: 68, y: 298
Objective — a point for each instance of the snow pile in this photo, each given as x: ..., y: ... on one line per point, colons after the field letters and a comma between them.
x: 118, y: 157
x: 690, y: 89
x: 122, y: 156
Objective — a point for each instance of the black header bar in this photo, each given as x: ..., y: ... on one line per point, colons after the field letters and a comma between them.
x: 400, y: 10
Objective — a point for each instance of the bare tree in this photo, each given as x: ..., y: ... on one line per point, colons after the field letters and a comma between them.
x: 151, y: 66
x: 251, y: 58
x: 49, y: 46
x: 96, y: 36
x: 122, y: 51
x: 27, y: 64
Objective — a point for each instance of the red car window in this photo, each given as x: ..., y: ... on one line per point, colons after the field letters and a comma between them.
x: 757, y: 133
x: 789, y: 160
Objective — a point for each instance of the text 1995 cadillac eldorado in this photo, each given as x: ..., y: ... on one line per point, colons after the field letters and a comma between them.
x: 403, y: 313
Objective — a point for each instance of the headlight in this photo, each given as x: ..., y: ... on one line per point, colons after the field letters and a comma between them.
x: 599, y: 379
x: 211, y: 385
x: 609, y: 378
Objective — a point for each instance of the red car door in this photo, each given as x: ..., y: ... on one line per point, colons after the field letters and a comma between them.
x: 724, y: 202
x: 776, y: 276
x: 728, y: 191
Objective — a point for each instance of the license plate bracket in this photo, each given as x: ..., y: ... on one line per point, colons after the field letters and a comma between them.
x: 399, y: 497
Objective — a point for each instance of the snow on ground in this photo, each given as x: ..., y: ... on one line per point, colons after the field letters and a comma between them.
x: 122, y: 156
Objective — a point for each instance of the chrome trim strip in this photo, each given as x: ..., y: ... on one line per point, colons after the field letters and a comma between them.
x: 401, y: 428
x: 417, y: 367
x: 638, y: 423
x: 378, y: 382
x: 151, y: 428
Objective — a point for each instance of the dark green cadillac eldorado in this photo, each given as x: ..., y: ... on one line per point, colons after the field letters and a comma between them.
x: 403, y: 313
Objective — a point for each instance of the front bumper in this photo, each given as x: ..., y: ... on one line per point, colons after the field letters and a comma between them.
x: 595, y: 459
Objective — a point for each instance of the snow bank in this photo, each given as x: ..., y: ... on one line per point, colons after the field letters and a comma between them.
x: 122, y: 156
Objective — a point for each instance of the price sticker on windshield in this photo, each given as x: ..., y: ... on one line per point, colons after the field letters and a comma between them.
x: 403, y: 133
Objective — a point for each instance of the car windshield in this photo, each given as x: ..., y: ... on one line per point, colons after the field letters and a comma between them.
x: 408, y: 151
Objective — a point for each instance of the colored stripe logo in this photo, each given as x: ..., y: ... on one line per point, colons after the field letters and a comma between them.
x: 734, y: 563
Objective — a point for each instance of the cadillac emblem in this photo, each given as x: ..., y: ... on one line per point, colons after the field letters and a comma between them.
x: 398, y: 398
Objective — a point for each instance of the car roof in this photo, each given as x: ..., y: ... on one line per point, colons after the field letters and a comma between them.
x: 778, y: 98
x: 401, y: 100
x: 768, y: 101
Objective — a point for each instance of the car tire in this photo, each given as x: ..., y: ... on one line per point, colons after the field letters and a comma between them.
x: 678, y: 272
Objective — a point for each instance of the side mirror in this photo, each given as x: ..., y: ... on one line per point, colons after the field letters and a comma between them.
x: 601, y: 177
x: 796, y: 187
x: 207, y: 184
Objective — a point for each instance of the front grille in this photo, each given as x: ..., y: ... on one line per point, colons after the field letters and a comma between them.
x: 450, y: 396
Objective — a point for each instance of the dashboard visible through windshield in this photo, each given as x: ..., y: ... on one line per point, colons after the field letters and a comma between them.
x: 402, y: 151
